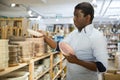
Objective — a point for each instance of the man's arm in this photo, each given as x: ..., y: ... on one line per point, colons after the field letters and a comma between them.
x: 50, y: 42
x: 94, y: 66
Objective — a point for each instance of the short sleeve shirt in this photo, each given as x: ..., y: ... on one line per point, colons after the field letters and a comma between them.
x: 88, y: 45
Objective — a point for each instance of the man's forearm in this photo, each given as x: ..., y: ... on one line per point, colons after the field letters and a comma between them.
x: 87, y: 64
x: 94, y: 66
x: 50, y: 42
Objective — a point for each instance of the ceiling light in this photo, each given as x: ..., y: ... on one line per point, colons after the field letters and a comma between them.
x: 13, y: 5
x: 39, y: 17
x: 57, y: 19
x: 29, y: 11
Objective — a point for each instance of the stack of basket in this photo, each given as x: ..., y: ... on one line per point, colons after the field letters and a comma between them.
x: 3, y: 54
x: 38, y: 47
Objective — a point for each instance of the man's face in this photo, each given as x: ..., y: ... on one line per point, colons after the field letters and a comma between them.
x: 79, y: 19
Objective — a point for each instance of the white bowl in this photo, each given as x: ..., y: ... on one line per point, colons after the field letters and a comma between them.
x: 66, y: 49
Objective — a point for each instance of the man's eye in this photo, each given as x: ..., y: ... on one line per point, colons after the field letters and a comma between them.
x: 75, y: 15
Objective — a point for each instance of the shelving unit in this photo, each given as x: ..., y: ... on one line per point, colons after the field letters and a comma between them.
x: 31, y: 66
x: 17, y: 27
x: 112, y: 44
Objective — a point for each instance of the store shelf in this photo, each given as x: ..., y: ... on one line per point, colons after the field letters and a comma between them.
x: 10, y: 69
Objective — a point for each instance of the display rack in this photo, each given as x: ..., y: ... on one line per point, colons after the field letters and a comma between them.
x: 18, y: 27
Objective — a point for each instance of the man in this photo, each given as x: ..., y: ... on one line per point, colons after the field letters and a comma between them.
x: 88, y: 44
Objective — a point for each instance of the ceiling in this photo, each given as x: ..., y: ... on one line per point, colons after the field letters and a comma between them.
x: 105, y: 10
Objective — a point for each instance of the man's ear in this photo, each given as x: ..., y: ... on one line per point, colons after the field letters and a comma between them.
x: 88, y: 17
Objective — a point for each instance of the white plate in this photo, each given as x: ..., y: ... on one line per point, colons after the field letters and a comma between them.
x: 35, y: 33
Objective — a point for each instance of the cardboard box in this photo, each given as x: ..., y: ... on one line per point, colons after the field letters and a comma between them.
x: 112, y: 75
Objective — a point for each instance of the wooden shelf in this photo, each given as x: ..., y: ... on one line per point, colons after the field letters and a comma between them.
x: 58, y: 62
x: 10, y: 69
x: 42, y: 57
x: 31, y: 67
x: 55, y: 52
x: 58, y: 73
x: 36, y: 78
x: 18, y: 27
x: 63, y: 76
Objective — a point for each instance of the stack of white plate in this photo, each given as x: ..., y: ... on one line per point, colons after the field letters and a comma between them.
x: 13, y: 55
x: 46, y: 63
x: 4, y: 57
x: 38, y: 70
x: 47, y: 77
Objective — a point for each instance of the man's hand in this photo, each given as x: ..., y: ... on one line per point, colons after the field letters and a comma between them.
x: 72, y: 58
x: 87, y: 64
x: 42, y: 32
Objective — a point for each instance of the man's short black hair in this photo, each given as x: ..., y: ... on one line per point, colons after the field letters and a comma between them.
x: 86, y: 8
